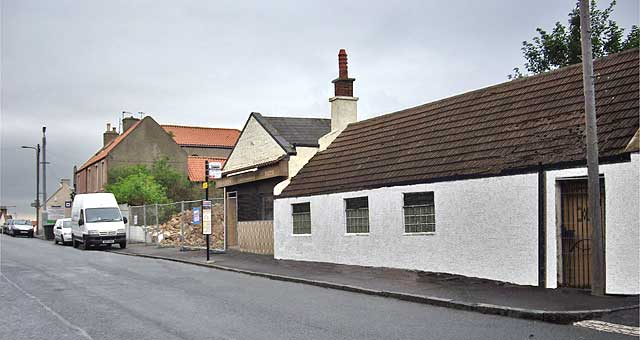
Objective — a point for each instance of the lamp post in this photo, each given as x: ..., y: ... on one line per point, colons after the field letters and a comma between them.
x: 37, y: 149
x: 45, y: 216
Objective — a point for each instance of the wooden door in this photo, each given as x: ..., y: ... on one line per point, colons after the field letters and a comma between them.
x: 576, y: 232
x: 232, y: 219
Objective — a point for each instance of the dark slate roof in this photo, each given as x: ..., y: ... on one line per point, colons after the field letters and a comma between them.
x: 514, y: 127
x: 290, y: 132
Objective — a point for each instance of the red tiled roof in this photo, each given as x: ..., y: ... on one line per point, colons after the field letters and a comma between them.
x: 515, y: 127
x: 196, y: 166
x: 102, y: 153
x: 202, y: 136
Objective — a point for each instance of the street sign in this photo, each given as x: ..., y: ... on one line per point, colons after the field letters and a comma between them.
x: 206, y: 217
x: 196, y: 215
x: 34, y: 204
x: 213, y: 170
x: 205, y: 185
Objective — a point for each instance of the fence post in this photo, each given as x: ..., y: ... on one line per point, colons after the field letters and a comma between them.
x: 182, y: 225
x: 144, y: 221
x: 157, y: 224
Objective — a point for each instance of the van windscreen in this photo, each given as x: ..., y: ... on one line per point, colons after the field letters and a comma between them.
x: 102, y: 215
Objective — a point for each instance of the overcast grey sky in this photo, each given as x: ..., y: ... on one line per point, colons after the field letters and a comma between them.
x: 75, y: 65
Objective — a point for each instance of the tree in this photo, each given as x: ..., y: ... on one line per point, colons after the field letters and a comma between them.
x: 177, y: 185
x: 137, y: 189
x: 160, y: 183
x: 561, y: 46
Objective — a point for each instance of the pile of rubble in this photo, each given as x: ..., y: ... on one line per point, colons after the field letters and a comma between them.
x: 169, y: 233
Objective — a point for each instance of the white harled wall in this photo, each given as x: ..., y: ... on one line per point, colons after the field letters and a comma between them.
x: 622, y: 216
x: 484, y: 228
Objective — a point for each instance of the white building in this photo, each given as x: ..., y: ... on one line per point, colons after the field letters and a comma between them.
x: 489, y: 184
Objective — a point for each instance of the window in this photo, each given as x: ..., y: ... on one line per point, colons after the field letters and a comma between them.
x: 301, y: 218
x: 419, y: 213
x: 357, y: 212
x: 266, y: 207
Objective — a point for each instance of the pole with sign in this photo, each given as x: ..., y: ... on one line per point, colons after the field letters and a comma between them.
x: 212, y: 170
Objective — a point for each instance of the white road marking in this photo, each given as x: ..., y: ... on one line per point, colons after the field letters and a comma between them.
x: 609, y: 327
x: 78, y: 330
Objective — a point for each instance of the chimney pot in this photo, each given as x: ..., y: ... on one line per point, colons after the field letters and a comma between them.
x: 108, y: 126
x: 342, y: 65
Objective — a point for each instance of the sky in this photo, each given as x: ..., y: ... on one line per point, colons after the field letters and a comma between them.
x: 74, y: 66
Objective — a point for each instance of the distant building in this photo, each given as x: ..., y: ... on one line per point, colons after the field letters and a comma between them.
x: 144, y: 141
x: 59, y: 203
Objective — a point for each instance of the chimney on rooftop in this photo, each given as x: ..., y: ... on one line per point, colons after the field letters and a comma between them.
x: 109, y: 135
x: 344, y: 109
x: 128, y: 122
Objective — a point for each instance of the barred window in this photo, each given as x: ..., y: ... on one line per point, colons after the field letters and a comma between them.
x: 301, y: 218
x: 419, y: 212
x: 357, y: 212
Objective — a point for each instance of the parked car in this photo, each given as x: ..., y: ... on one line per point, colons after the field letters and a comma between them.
x: 96, y: 220
x: 20, y: 228
x: 62, y: 231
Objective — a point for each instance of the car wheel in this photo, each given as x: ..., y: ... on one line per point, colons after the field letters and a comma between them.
x: 123, y: 245
x: 55, y: 239
x: 85, y: 245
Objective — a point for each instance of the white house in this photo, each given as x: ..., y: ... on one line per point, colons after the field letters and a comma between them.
x: 490, y: 184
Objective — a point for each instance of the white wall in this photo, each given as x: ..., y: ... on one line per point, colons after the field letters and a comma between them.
x: 622, y: 235
x: 254, y: 146
x: 484, y: 228
x: 296, y: 162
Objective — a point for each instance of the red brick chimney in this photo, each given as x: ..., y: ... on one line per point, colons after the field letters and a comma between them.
x: 343, y: 85
x: 344, y: 110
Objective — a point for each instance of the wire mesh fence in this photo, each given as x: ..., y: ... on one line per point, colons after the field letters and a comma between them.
x: 174, y: 224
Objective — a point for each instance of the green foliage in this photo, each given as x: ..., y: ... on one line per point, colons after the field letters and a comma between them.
x: 562, y: 47
x: 178, y: 186
x: 137, y: 189
x: 160, y: 183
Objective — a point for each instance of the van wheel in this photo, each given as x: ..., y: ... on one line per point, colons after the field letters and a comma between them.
x: 75, y: 242
x: 85, y: 245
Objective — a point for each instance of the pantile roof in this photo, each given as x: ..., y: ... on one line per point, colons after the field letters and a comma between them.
x: 195, y: 165
x: 514, y: 127
x: 202, y: 136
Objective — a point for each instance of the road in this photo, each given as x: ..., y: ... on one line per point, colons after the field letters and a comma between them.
x: 58, y: 292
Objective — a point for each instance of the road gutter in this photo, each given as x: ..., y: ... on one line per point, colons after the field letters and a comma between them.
x: 559, y: 317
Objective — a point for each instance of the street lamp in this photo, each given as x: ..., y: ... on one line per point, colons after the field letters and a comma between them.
x: 37, y: 149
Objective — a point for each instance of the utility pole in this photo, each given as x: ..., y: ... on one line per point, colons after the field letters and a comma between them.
x: 45, y: 215
x: 595, y: 214
x: 37, y: 201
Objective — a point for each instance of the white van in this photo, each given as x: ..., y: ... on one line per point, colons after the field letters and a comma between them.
x: 96, y: 220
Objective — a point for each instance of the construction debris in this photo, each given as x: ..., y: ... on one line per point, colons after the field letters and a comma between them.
x: 170, y: 232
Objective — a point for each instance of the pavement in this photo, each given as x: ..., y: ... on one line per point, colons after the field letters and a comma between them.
x: 480, y: 295
x: 51, y: 291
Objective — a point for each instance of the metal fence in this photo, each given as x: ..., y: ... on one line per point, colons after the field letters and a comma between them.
x: 173, y: 224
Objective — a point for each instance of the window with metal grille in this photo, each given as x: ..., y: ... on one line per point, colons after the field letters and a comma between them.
x: 419, y: 213
x: 301, y: 218
x: 357, y: 212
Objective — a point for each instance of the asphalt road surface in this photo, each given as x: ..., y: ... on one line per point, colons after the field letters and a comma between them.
x: 50, y: 291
